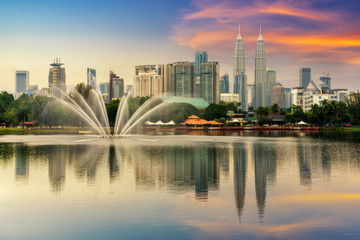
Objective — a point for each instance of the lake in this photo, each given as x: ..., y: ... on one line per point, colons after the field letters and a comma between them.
x: 248, y: 186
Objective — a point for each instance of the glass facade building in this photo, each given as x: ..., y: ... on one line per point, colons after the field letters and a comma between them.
x: 224, y: 84
x: 209, y: 82
x: 184, y: 79
x: 304, y: 77
x: 22, y: 81
x: 91, y: 77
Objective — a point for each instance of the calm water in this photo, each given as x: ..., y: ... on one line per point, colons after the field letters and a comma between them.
x: 279, y: 186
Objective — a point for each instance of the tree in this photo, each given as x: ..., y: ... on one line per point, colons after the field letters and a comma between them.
x: 177, y: 112
x: 353, y: 102
x: 296, y: 115
x: 37, y: 107
x: 315, y: 114
x: 274, y: 108
x: 231, y: 106
x: 214, y: 111
x: 262, y: 112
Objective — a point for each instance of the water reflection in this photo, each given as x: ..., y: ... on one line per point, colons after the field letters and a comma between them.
x: 240, y: 167
x: 260, y: 172
x: 22, y: 163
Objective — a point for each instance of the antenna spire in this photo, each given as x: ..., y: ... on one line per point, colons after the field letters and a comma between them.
x: 260, y: 28
x: 239, y: 27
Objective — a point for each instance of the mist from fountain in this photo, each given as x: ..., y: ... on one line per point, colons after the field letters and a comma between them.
x: 93, y: 111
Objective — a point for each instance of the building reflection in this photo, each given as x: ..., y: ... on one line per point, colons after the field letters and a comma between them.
x: 114, y: 158
x: 304, y: 159
x: 177, y: 168
x: 57, y: 164
x: 265, y: 171
x: 240, y: 167
x: 207, y: 171
x: 22, y: 162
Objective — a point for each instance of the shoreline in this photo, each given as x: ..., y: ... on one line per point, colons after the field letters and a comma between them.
x: 80, y: 131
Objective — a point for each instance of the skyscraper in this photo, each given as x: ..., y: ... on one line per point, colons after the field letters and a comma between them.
x: 105, y: 88
x: 252, y: 92
x: 148, y: 80
x: 91, y: 77
x: 278, y: 95
x: 239, y: 62
x: 200, y: 57
x: 260, y: 73
x: 326, y: 80
x: 22, y: 81
x: 57, y: 79
x: 224, y: 84
x: 209, y: 82
x: 287, y: 92
x: 116, y: 86
x: 304, y: 77
x: 105, y: 91
x: 241, y: 78
x: 184, y: 79
x: 271, y: 81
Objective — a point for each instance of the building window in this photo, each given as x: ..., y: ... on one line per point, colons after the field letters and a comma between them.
x: 319, y: 97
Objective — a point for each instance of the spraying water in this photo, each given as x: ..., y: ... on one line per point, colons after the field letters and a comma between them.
x: 93, y: 111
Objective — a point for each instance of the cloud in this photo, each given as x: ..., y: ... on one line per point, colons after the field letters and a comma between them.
x: 295, y: 32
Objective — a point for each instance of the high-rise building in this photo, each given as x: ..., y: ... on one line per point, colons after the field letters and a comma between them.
x: 241, y: 80
x: 209, y: 82
x: 260, y: 73
x: 326, y: 80
x: 149, y: 80
x: 252, y: 92
x: 224, y: 84
x: 278, y: 95
x: 22, y: 81
x: 105, y: 88
x: 239, y: 62
x: 105, y: 91
x: 91, y: 77
x: 184, y: 73
x: 200, y: 56
x: 116, y: 86
x: 57, y: 79
x: 271, y: 81
x: 287, y: 92
x: 304, y: 77
x: 169, y: 82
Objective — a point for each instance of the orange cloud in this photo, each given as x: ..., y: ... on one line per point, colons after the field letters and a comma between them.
x: 225, y: 12
x: 223, y: 227
x: 318, y: 198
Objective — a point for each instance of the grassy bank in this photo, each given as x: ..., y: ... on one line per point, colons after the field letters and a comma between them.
x: 341, y: 129
x: 19, y: 130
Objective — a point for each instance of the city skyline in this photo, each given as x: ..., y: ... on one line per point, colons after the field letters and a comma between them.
x: 321, y: 35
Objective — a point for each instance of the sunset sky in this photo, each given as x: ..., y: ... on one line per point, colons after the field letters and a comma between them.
x: 321, y: 34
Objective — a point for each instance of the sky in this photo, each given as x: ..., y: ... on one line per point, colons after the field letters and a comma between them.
x: 118, y: 35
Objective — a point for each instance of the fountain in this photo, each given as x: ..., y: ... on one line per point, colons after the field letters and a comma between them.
x: 94, y: 112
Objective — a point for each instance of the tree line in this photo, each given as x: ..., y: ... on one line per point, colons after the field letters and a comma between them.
x: 49, y: 112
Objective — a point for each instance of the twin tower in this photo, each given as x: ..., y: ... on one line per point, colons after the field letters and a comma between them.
x: 260, y: 92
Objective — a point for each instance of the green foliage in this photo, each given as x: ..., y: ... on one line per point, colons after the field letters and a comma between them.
x: 353, y: 102
x: 296, y: 115
x: 177, y: 112
x: 231, y: 106
x: 263, y: 112
x: 83, y: 89
x: 274, y: 108
x: 215, y: 111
